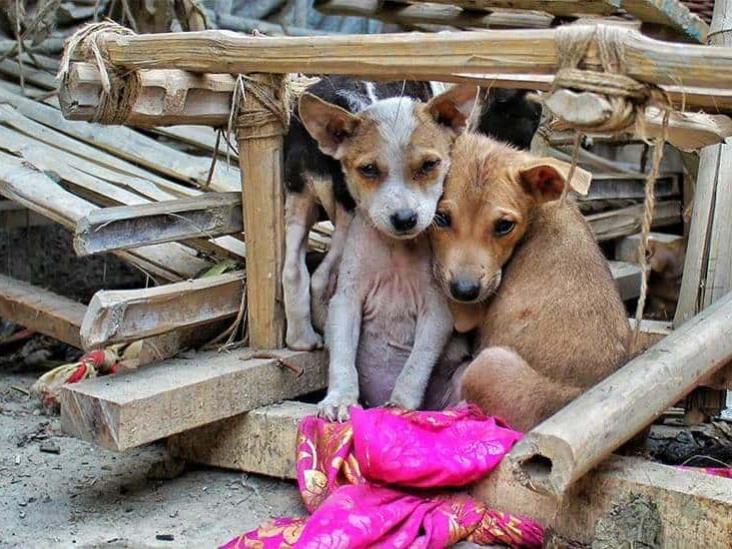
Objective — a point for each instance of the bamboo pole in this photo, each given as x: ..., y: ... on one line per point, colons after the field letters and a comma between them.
x: 261, y: 162
x: 552, y: 456
x: 411, y: 55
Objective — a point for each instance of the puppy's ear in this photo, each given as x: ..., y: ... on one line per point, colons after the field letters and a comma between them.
x: 453, y: 107
x: 545, y: 178
x: 328, y: 124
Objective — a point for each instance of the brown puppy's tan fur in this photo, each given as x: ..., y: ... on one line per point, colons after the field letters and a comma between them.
x: 556, y: 324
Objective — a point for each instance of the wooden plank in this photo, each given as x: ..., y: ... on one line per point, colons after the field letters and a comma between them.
x: 41, y: 310
x: 123, y: 227
x: 263, y: 200
x: 708, y: 263
x: 38, y: 192
x: 411, y: 14
x: 116, y: 316
x: 166, y: 97
x: 670, y: 13
x: 674, y: 493
x: 127, y: 410
x: 612, y: 189
x: 555, y: 454
x: 413, y: 55
x: 627, y: 248
x: 626, y: 221
x: 105, y: 184
x: 564, y: 8
x: 129, y: 145
x: 627, y: 278
x: 263, y: 442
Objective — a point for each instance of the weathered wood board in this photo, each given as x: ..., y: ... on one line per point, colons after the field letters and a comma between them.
x: 127, y: 410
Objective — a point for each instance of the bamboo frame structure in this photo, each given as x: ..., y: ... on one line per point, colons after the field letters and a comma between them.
x: 452, y: 57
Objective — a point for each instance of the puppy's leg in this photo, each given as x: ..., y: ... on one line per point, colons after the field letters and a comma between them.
x: 434, y: 327
x: 300, y: 214
x: 503, y: 384
x: 343, y: 331
x: 321, y: 283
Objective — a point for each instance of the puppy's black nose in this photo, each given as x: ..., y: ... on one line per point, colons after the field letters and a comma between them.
x: 404, y: 220
x: 464, y: 289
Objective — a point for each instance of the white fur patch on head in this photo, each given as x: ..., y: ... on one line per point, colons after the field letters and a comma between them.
x: 396, y: 122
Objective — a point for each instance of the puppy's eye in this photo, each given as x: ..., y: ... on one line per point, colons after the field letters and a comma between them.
x: 503, y: 227
x: 428, y: 166
x: 369, y: 171
x: 442, y: 219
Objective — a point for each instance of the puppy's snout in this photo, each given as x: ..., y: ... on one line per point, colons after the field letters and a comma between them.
x: 404, y: 220
x: 465, y: 289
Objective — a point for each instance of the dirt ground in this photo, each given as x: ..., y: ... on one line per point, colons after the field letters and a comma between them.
x: 56, y: 491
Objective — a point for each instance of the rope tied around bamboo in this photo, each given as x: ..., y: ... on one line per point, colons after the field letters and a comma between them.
x: 119, y: 88
x: 260, y: 106
x: 607, y: 101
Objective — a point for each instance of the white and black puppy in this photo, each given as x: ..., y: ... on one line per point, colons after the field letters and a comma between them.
x: 388, y: 322
x: 316, y: 188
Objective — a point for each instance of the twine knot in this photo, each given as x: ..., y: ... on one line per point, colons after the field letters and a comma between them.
x: 119, y: 88
x: 601, y: 101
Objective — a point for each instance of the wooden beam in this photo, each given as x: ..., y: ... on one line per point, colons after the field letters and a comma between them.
x: 564, y: 8
x: 263, y: 441
x: 555, y: 454
x: 626, y: 221
x: 263, y: 201
x: 627, y: 248
x: 708, y: 263
x: 611, y: 189
x: 412, y: 55
x: 576, y: 515
x: 627, y: 278
x: 41, y: 310
x: 127, y: 410
x: 411, y: 14
x: 670, y: 13
x: 122, y: 227
x: 117, y: 316
x: 165, y: 97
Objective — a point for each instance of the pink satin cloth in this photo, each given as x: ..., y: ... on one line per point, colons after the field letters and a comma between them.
x: 725, y: 472
x: 385, y: 479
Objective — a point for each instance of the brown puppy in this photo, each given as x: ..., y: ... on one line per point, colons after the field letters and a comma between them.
x: 525, y: 270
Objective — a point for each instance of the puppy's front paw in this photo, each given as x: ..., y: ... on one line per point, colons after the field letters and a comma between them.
x: 334, y: 407
x: 303, y: 338
x: 404, y: 399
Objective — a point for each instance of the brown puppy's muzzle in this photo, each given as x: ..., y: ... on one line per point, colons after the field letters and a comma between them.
x: 472, y: 289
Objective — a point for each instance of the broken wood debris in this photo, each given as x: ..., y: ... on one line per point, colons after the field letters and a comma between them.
x: 117, y: 316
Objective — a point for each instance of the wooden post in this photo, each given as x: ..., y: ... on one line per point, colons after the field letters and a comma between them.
x: 708, y: 265
x: 553, y: 455
x: 261, y: 162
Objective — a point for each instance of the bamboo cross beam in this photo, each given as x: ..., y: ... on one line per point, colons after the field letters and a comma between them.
x: 120, y: 316
x: 123, y: 227
x: 559, y: 451
x: 411, y: 55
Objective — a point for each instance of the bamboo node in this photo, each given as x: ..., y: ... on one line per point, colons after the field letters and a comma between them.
x: 119, y: 88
